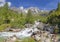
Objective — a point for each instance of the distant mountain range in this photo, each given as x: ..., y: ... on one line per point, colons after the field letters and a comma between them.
x: 34, y: 10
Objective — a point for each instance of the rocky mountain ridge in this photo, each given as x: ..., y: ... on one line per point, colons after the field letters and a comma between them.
x: 34, y: 10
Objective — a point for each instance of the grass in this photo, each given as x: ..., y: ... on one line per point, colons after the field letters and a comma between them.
x: 26, y: 40
x: 58, y: 35
x: 1, y: 39
x: 4, y: 26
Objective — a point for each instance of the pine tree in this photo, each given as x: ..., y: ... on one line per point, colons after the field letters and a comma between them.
x: 29, y: 17
x: 6, y: 12
x: 58, y: 8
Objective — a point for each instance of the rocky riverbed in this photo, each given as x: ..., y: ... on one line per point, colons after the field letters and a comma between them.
x: 33, y: 32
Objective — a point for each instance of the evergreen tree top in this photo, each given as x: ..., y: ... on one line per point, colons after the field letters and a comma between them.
x: 58, y: 8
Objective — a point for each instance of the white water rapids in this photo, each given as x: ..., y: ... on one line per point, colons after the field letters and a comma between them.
x: 23, y: 33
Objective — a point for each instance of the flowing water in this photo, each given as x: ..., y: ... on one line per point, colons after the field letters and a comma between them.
x: 23, y: 33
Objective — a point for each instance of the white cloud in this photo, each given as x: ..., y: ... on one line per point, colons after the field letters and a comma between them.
x: 2, y: 2
x: 1, y: 5
x: 9, y: 4
x: 21, y: 7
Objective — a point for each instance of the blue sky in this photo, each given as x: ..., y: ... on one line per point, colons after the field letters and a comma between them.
x: 42, y: 4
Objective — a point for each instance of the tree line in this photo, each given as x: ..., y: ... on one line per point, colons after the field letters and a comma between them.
x: 10, y: 18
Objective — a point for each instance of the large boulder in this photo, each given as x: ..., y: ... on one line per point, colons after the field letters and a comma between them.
x: 40, y: 26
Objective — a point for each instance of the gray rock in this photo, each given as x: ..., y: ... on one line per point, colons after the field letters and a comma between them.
x: 11, y: 39
x: 28, y: 25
